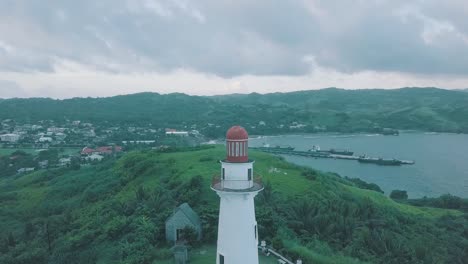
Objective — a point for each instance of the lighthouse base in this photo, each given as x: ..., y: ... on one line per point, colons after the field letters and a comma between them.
x: 237, y: 229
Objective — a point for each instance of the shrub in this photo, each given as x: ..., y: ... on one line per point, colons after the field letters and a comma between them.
x: 364, y: 185
x: 310, y: 174
x: 163, y: 253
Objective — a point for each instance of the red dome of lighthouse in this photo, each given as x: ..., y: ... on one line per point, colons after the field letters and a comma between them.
x: 237, y: 133
x: 237, y: 144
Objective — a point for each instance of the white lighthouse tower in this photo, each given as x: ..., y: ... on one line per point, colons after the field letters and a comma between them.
x: 237, y: 229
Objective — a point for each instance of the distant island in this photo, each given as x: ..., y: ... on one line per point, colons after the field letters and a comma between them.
x: 326, y: 110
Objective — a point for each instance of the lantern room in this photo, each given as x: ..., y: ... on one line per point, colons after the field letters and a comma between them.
x: 237, y: 145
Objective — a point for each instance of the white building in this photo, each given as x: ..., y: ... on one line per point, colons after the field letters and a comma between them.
x: 10, y: 138
x: 60, y: 136
x: 237, y: 228
x: 63, y: 162
x: 56, y: 129
x: 36, y: 127
x: 94, y: 157
x: 175, y: 132
x: 43, y: 164
x: 24, y: 170
x: 45, y: 139
x: 147, y: 142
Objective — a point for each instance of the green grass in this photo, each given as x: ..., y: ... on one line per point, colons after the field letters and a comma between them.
x: 385, y: 201
x: 8, y: 151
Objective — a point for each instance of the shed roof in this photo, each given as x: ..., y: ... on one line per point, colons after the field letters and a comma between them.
x: 188, y: 212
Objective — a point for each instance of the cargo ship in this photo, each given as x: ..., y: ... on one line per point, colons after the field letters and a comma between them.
x: 380, y: 161
x: 278, y: 147
x: 343, y: 152
x: 284, y: 148
x: 390, y: 132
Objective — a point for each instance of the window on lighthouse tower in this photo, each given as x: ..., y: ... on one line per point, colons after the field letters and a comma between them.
x: 249, y: 174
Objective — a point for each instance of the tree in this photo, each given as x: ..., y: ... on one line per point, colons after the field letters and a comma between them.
x: 189, y: 234
x: 399, y: 195
x: 11, y: 240
x: 141, y: 194
x: 28, y: 229
x: 75, y: 163
x: 449, y: 201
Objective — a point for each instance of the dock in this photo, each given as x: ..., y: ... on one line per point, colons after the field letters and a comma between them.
x: 314, y: 154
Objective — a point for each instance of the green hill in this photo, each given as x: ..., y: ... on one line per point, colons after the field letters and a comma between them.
x: 114, y: 212
x: 334, y: 110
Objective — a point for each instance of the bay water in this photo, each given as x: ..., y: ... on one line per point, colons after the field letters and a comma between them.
x: 441, y: 159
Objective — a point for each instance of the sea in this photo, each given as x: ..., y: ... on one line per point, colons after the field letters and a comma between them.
x: 441, y: 159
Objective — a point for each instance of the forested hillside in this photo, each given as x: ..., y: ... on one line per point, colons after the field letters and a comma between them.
x: 114, y: 212
x: 327, y: 110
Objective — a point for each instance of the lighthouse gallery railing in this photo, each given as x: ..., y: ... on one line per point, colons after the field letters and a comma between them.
x: 218, y: 184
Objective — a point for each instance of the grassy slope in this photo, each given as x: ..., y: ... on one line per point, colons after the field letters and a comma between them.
x: 287, y: 180
x: 34, y: 191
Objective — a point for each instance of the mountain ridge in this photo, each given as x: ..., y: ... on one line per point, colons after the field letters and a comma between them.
x: 331, y: 109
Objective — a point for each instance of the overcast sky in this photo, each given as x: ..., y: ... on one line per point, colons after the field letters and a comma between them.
x: 62, y: 49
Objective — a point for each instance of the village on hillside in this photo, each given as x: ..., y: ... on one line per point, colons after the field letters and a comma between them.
x: 46, y: 144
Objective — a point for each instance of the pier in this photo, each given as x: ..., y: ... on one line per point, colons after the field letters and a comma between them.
x: 315, y: 154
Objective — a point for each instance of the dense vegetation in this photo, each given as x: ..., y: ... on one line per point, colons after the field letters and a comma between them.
x: 114, y: 212
x: 331, y: 109
x: 17, y: 159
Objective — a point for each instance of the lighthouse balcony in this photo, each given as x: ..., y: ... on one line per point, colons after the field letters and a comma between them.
x: 254, y: 185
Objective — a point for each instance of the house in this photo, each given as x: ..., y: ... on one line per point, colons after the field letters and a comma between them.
x: 105, y: 150
x: 60, y: 136
x: 296, y: 125
x: 195, y: 132
x: 45, y: 139
x: 94, y: 157
x: 183, y: 216
x: 12, y: 138
x: 56, y: 129
x: 170, y: 131
x: 89, y: 133
x: 23, y: 170
x: 64, y: 162
x: 23, y: 128
x: 36, y: 127
x: 146, y: 142
x: 87, y: 151
x: 43, y: 164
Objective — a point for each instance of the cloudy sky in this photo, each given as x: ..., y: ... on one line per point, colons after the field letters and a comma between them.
x: 68, y: 48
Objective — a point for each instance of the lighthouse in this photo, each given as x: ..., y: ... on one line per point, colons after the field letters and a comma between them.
x: 236, y: 187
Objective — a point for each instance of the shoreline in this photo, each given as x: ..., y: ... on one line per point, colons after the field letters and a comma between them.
x: 254, y: 136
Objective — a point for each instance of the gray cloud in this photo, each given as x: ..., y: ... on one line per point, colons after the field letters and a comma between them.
x: 9, y: 89
x: 232, y: 38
